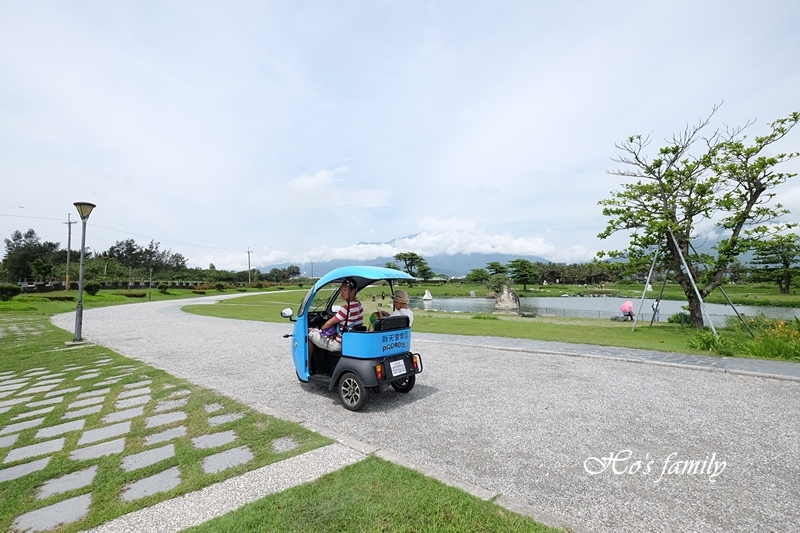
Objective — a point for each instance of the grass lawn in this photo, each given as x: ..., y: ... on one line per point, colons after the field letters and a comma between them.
x: 661, y: 336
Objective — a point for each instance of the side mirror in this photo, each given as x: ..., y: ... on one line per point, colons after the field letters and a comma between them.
x: 287, y: 313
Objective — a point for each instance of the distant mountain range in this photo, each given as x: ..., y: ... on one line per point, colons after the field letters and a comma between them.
x: 448, y: 265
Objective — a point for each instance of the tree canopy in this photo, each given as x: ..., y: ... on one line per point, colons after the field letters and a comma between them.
x: 721, y: 180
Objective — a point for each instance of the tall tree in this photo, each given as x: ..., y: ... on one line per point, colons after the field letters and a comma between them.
x: 22, y: 249
x: 523, y: 271
x: 779, y: 259
x: 411, y: 262
x: 478, y: 275
x: 725, y: 182
x: 496, y: 268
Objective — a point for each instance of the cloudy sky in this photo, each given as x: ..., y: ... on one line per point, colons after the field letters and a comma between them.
x: 313, y: 130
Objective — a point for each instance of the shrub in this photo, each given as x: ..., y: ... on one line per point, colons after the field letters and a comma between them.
x: 64, y: 298
x: 91, y: 287
x: 163, y: 288
x: 779, y: 339
x: 8, y: 291
x: 681, y: 318
x: 198, y: 291
x: 707, y: 341
x: 219, y: 287
x: 131, y: 294
x: 485, y: 317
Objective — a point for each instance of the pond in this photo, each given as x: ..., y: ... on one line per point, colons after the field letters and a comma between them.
x: 600, y: 307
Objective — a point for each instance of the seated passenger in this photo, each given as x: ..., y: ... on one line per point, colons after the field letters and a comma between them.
x: 350, y: 315
x: 400, y: 301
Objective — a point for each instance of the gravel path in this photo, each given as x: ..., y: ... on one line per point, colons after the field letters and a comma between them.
x: 695, y: 450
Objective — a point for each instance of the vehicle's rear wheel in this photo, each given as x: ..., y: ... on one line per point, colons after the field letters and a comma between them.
x: 404, y: 385
x: 352, y: 391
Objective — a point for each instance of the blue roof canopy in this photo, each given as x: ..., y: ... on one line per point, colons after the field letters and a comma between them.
x: 364, y: 275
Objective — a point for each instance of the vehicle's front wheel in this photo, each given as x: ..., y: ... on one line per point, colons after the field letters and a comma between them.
x: 352, y: 391
x: 404, y: 385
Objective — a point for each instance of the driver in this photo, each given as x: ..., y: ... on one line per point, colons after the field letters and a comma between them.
x: 351, y: 314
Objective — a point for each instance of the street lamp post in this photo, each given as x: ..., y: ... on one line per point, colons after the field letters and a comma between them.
x: 84, y: 210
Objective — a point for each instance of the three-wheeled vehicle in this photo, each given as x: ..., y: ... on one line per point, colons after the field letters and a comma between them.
x: 370, y: 361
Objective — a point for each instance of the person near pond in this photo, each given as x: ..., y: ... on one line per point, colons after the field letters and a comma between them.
x: 655, y: 307
x: 400, y: 302
x: 329, y: 335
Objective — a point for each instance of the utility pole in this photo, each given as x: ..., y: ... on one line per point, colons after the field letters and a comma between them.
x: 248, y: 265
x: 69, y: 224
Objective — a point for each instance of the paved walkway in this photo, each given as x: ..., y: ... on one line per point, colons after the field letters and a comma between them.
x: 753, y: 367
x: 522, y: 440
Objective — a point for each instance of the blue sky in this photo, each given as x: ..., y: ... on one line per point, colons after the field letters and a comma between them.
x: 299, y: 129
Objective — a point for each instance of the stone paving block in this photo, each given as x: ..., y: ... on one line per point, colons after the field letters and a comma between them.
x: 52, y: 516
x: 21, y: 426
x: 179, y: 393
x: 212, y: 407
x: 59, y: 485
x: 4, y: 409
x: 91, y: 393
x: 127, y: 414
x: 52, y: 381
x: 3, y: 395
x: 37, y: 390
x: 16, y: 472
x: 284, y: 444
x: 161, y: 482
x: 36, y: 372
x: 138, y: 385
x: 29, y: 414
x: 170, y: 405
x: 49, y: 401
x: 35, y: 450
x: 224, y: 419
x: 82, y: 412
x: 15, y: 401
x: 134, y: 392
x: 13, y: 381
x: 98, y: 450
x: 169, y: 434
x: 107, y: 432
x: 130, y: 402
x: 61, y: 392
x: 227, y: 459
x: 147, y: 458
x: 10, y: 440
x: 83, y: 377
x: 14, y: 386
x: 109, y: 381
x: 60, y: 429
x: 167, y: 418
x: 86, y: 401
x: 213, y: 440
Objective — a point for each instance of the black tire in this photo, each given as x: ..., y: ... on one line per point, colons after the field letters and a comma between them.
x: 352, y: 391
x: 404, y: 385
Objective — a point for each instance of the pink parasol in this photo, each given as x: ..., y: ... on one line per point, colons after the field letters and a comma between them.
x: 626, y: 307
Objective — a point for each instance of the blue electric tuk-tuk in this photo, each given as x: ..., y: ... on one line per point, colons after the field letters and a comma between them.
x: 371, y: 359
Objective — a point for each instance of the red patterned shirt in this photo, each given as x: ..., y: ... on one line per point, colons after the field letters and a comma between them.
x: 353, y: 312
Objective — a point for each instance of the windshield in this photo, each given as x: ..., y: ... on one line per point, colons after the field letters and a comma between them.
x: 324, y: 297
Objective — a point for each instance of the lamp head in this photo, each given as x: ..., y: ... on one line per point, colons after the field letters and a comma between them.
x: 84, y: 209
